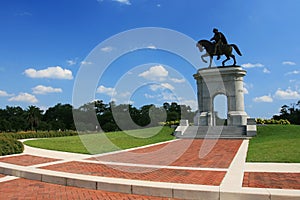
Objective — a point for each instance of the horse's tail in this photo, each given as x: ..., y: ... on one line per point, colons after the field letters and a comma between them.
x: 236, y: 49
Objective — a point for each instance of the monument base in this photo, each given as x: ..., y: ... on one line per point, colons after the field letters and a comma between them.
x: 236, y: 118
x: 214, y: 132
x: 184, y: 130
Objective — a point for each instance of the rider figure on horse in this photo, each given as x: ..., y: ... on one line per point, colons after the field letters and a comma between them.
x: 220, y: 40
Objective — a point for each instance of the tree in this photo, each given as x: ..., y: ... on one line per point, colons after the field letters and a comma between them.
x: 16, y: 117
x: 4, y: 123
x: 34, y: 115
x: 292, y: 113
x: 60, y: 117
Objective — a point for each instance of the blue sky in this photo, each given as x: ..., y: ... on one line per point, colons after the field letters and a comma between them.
x: 45, y: 44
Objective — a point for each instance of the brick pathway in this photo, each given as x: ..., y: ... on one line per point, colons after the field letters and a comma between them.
x: 220, y: 156
x: 151, y: 174
x: 272, y: 180
x: 187, y: 157
x: 26, y: 160
x: 29, y: 189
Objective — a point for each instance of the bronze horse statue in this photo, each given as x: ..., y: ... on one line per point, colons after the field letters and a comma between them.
x: 225, y: 50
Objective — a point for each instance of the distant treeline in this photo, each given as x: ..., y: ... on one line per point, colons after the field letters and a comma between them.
x: 60, y: 117
x: 290, y: 113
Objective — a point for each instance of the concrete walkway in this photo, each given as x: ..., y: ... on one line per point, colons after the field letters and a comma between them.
x: 180, y: 169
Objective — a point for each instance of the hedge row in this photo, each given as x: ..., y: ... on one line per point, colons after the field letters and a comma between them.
x: 273, y: 121
x: 170, y: 123
x: 9, y: 143
x: 10, y: 146
x: 27, y: 135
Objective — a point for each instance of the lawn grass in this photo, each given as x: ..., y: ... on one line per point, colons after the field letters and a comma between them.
x: 104, y: 142
x: 275, y: 143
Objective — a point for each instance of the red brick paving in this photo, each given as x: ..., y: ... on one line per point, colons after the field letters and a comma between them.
x: 29, y: 189
x: 26, y: 160
x: 272, y: 180
x: 150, y: 174
x: 220, y: 156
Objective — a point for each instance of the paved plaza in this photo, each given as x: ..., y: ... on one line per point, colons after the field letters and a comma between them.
x: 179, y: 169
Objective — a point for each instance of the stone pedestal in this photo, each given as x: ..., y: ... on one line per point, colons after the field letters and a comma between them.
x: 220, y: 80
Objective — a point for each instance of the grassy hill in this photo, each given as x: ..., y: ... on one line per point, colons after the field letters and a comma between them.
x: 275, y: 143
x: 104, y: 142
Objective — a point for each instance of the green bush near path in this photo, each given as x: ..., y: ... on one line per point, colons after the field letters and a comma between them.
x: 39, y: 134
x: 105, y: 142
x: 275, y: 143
x: 9, y: 143
x: 10, y: 146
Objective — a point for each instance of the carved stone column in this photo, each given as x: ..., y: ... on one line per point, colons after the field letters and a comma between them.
x: 220, y: 80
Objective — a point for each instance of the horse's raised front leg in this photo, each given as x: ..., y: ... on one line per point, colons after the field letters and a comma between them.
x: 203, y: 56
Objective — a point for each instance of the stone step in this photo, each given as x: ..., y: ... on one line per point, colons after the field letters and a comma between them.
x: 213, y: 132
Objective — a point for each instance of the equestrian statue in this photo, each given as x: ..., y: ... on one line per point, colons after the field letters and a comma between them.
x: 218, y: 47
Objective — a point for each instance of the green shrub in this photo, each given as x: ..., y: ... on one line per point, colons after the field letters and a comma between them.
x: 26, y: 135
x: 10, y: 146
x: 170, y: 123
x: 272, y: 121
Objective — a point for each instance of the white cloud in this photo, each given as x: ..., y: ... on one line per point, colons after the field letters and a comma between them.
x: 288, y: 63
x: 71, y: 62
x: 266, y: 98
x: 4, y: 94
x: 250, y: 65
x: 24, y: 97
x: 106, y: 90
x: 293, y: 72
x: 192, y: 103
x: 107, y: 49
x: 149, y: 96
x: 41, y: 89
x: 51, y: 72
x: 124, y: 95
x: 167, y: 96
x: 126, y: 2
x: 246, y: 87
x: 162, y: 86
x: 249, y: 85
x: 86, y: 62
x: 176, y: 80
x: 157, y: 72
x: 287, y: 94
x: 266, y: 71
x: 151, y: 47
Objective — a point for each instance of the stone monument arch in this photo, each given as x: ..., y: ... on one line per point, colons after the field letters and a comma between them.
x: 220, y: 80
x: 212, y: 81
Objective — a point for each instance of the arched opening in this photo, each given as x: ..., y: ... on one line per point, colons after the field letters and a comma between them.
x: 220, y: 109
